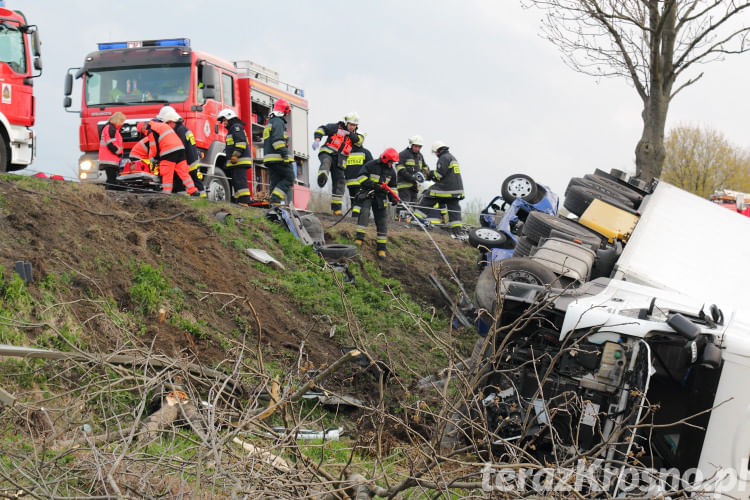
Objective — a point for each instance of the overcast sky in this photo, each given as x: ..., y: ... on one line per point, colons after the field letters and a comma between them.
x: 474, y: 74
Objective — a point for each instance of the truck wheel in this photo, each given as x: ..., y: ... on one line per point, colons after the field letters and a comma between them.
x: 4, y: 156
x: 625, y: 192
x: 521, y: 269
x: 518, y: 186
x: 604, y: 191
x: 578, y: 199
x: 524, y: 247
x: 217, y: 188
x: 337, y: 251
x: 539, y: 225
x: 486, y: 237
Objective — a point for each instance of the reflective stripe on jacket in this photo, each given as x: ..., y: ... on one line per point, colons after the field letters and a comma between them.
x: 409, y: 163
x: 276, y: 142
x: 448, y: 182
x: 237, y: 144
x: 166, y: 139
x: 339, y: 140
x: 144, y: 149
x: 188, y: 142
x: 110, y: 146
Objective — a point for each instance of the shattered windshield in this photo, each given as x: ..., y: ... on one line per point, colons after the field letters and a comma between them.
x: 12, y: 49
x: 164, y: 84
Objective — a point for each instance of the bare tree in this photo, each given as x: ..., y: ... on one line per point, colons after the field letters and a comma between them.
x: 655, y: 44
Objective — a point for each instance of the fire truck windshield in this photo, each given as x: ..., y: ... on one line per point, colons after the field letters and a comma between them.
x: 143, y: 84
x: 12, y: 49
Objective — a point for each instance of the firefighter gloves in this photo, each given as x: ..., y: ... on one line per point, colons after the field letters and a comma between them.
x: 316, y: 145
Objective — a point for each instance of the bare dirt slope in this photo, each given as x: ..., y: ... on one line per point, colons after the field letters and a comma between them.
x: 94, y: 237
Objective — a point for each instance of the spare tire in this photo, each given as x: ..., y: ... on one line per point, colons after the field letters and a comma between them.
x: 604, y: 192
x: 518, y: 186
x: 337, y: 251
x: 539, y: 225
x: 486, y: 237
x: 624, y: 191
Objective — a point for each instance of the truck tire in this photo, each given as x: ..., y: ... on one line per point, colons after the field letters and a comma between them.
x: 539, y: 225
x: 578, y: 199
x: 336, y: 251
x: 524, y: 247
x: 603, y: 190
x: 488, y: 238
x: 518, y: 186
x: 4, y: 156
x: 624, y: 191
x: 217, y: 188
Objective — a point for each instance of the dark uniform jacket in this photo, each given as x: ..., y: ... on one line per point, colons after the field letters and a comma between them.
x: 188, y: 140
x: 340, y: 140
x: 357, y: 158
x: 237, y: 144
x: 447, y: 176
x: 276, y: 142
x: 409, y: 163
x: 374, y: 173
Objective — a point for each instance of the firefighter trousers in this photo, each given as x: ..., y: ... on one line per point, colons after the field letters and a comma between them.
x: 432, y: 208
x: 282, y: 178
x: 197, y: 182
x: 334, y: 165
x: 380, y: 214
x: 168, y: 168
x: 238, y: 176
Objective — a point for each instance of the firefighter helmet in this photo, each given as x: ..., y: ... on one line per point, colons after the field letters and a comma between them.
x: 226, y: 114
x: 352, y: 117
x: 416, y: 140
x: 389, y: 155
x: 438, y: 145
x: 281, y: 107
x: 168, y: 114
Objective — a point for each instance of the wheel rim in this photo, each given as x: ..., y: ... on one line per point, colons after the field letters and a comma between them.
x: 218, y: 193
x: 519, y: 187
x: 522, y: 277
x: 488, y: 234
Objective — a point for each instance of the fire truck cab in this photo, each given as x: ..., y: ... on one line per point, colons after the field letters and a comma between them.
x: 139, y: 77
x: 20, y: 56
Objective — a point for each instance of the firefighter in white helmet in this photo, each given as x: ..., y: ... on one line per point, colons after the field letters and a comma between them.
x: 410, y: 163
x: 237, y: 154
x: 446, y: 193
x: 169, y: 115
x: 333, y: 155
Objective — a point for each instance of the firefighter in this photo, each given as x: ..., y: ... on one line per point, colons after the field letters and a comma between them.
x: 110, y: 148
x: 372, y: 176
x: 445, y: 193
x: 168, y: 115
x: 276, y: 155
x: 170, y: 153
x: 238, y: 155
x: 358, y: 157
x: 410, y: 163
x: 333, y: 154
x: 142, y: 154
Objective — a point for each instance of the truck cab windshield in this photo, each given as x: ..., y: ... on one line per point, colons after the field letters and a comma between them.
x: 12, y: 49
x: 162, y: 84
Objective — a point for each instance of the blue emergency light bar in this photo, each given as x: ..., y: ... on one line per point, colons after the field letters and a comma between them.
x: 168, y: 42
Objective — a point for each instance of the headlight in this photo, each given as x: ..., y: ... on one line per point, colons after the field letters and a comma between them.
x: 84, y: 176
x: 86, y: 165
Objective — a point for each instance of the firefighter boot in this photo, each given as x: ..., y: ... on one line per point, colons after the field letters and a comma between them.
x: 381, y: 254
x: 322, y: 178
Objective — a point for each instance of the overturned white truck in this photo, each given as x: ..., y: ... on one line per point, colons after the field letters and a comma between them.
x: 647, y: 366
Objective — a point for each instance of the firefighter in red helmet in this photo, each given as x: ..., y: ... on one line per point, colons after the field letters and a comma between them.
x: 277, y: 156
x: 373, y: 176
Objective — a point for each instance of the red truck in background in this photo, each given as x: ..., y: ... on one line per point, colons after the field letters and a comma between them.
x: 733, y: 200
x: 139, y: 77
x: 20, y: 57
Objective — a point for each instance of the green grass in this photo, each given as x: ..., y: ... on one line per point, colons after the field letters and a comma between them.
x: 150, y: 289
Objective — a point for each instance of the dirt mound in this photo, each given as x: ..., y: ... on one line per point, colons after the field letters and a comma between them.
x: 95, y: 239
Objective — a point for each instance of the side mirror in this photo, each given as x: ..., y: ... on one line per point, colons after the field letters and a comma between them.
x: 68, y: 88
x: 67, y: 101
x: 209, y: 92
x: 36, y: 43
x: 216, y: 128
x: 38, y: 63
x: 740, y: 202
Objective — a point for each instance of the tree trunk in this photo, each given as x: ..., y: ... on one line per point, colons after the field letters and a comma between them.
x: 649, y: 152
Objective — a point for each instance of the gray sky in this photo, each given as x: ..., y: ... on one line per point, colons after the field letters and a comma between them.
x: 473, y: 73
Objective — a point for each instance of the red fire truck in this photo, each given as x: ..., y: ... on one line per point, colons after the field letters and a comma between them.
x: 733, y: 200
x: 20, y: 57
x: 139, y: 77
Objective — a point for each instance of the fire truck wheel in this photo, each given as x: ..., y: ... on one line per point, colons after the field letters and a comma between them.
x: 518, y: 186
x: 217, y: 188
x: 3, y: 155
